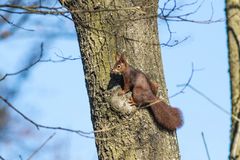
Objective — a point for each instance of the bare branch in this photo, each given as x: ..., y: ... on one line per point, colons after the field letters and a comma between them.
x: 212, y: 102
x: 59, y: 10
x: 33, y: 9
x: 62, y: 11
x: 38, y: 126
x: 181, y: 7
x: 185, y: 85
x: 205, y: 145
x: 167, y: 14
x: 13, y: 24
x: 26, y: 68
x: 63, y: 59
x: 38, y: 60
x: 40, y: 147
x: 169, y: 10
x: 78, y: 132
x: 176, y: 42
x: 183, y: 17
x: 1, y: 158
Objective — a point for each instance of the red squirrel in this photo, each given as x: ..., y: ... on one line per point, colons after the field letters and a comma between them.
x: 144, y: 93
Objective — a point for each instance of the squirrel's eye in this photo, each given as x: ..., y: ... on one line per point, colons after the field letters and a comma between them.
x: 119, y: 66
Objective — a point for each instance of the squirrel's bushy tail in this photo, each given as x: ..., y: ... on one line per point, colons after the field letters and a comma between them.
x: 168, y: 117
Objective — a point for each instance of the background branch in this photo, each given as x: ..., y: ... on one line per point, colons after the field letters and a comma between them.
x: 186, y: 84
x: 38, y: 126
x: 41, y: 146
x: 1, y: 158
x: 205, y: 146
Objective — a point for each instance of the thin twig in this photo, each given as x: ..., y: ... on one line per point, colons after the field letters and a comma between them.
x: 20, y: 157
x: 62, y: 59
x: 175, y: 43
x: 171, y: 10
x: 186, y: 5
x: 38, y: 126
x: 78, y: 132
x: 212, y: 102
x: 167, y: 17
x: 40, y: 60
x: 41, y: 146
x: 1, y: 158
x: 13, y: 24
x: 205, y: 146
x: 185, y: 86
x: 26, y: 68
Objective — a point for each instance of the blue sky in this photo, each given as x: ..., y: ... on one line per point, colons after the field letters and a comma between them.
x: 207, y: 50
x: 55, y: 93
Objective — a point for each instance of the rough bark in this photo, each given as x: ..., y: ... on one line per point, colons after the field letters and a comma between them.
x: 105, y: 28
x: 233, y: 30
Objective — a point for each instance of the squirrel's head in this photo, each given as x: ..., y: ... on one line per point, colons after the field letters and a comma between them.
x: 120, y: 65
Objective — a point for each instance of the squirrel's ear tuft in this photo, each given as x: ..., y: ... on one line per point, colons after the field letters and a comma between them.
x: 117, y: 56
x: 122, y: 58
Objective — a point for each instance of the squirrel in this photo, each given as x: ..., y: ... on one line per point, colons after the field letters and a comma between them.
x: 144, y: 93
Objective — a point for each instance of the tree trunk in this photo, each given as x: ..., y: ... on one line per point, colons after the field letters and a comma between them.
x: 105, y: 28
x: 233, y: 30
